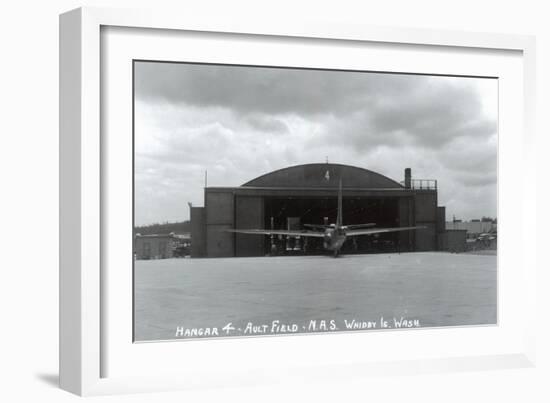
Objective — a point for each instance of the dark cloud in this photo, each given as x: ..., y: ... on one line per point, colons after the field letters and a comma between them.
x: 267, y: 124
x: 264, y: 90
x: 431, y: 118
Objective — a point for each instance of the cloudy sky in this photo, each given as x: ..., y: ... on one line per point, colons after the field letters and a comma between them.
x: 241, y: 122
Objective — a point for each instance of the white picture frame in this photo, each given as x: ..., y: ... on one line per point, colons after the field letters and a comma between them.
x: 83, y: 307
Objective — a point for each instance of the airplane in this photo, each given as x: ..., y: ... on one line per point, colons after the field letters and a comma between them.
x: 334, y: 235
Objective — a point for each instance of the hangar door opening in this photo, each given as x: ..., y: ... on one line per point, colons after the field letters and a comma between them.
x: 293, y: 212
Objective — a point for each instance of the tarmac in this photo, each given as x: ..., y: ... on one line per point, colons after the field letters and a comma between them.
x: 189, y: 298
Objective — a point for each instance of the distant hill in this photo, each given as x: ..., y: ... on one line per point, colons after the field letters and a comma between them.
x: 166, y: 228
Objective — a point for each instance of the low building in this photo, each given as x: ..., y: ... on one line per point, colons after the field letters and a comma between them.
x: 161, y: 246
x: 473, y: 228
x: 476, y: 235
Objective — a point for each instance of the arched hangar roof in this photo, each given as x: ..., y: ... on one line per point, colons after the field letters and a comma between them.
x: 324, y: 175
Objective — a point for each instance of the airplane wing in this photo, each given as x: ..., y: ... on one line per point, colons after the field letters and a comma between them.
x: 358, y: 226
x: 276, y: 232
x: 372, y: 231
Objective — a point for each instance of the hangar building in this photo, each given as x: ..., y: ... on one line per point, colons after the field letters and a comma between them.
x: 307, y: 194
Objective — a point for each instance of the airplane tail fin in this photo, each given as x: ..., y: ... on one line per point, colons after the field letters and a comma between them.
x: 339, y: 214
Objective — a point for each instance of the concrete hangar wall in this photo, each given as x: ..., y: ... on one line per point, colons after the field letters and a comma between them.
x: 293, y: 196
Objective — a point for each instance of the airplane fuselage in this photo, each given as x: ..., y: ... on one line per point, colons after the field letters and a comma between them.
x: 334, y: 238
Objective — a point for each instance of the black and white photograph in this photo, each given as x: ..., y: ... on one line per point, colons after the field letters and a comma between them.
x: 279, y: 201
